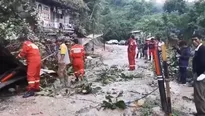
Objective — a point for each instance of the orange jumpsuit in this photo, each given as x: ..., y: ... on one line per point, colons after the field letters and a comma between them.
x: 32, y: 55
x: 131, y: 53
x: 77, y: 54
x: 152, y: 48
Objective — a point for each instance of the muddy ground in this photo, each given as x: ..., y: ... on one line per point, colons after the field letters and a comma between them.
x: 112, y: 60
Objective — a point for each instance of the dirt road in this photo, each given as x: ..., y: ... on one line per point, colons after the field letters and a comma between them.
x: 87, y: 105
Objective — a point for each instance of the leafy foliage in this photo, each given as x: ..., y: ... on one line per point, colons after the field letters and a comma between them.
x: 175, y: 5
x: 114, y: 18
x: 179, y: 19
x: 120, y: 17
x: 109, y: 104
x: 15, y: 20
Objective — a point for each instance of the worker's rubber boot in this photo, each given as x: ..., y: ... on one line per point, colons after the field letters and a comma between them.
x: 29, y: 94
x: 76, y: 80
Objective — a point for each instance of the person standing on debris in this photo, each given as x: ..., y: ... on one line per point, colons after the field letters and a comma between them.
x: 63, y: 61
x: 69, y: 45
x: 160, y: 43
x: 77, y: 54
x: 199, y: 72
x: 145, y: 49
x: 185, y: 54
x: 131, y: 52
x: 152, y: 48
x: 32, y: 55
x: 137, y: 48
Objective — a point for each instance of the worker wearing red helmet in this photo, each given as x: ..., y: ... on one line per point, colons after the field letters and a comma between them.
x: 131, y: 52
x: 32, y: 55
x: 77, y: 55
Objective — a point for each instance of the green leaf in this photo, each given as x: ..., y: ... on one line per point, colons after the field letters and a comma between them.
x: 120, y: 104
x: 107, y: 105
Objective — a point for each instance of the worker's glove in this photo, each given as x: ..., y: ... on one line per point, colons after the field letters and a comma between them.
x: 23, y: 62
x: 201, y: 77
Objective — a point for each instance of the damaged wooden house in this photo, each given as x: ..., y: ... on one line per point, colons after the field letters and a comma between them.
x: 54, y: 17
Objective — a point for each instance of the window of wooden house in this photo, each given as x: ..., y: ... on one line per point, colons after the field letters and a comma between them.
x: 39, y: 8
x: 46, y: 8
x: 52, y: 14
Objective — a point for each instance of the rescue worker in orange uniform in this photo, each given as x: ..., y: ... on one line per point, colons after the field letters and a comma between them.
x: 152, y: 48
x: 132, y: 45
x: 77, y: 55
x: 32, y: 55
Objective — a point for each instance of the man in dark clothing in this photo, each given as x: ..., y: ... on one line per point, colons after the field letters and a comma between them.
x: 185, y: 54
x: 199, y: 71
x: 145, y: 48
x: 140, y: 52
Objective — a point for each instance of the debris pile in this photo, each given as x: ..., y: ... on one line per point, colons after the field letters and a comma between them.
x: 99, y: 72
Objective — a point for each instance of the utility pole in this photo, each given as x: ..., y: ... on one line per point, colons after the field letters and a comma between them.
x: 166, y: 74
x: 160, y: 79
x: 167, y: 80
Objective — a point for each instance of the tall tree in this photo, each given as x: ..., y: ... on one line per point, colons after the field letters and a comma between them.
x: 15, y: 17
x: 175, y: 5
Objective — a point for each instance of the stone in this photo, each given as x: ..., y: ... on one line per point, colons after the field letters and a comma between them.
x: 140, y: 102
x: 84, y: 91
